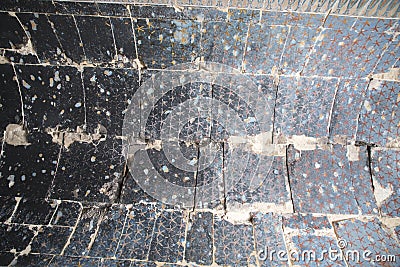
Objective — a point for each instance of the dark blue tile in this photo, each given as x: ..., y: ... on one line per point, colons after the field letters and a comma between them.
x: 33, y: 260
x: 124, y: 41
x: 15, y: 237
x: 62, y: 261
x: 67, y: 214
x: 7, y: 207
x: 12, y: 34
x: 34, y: 211
x: 50, y: 240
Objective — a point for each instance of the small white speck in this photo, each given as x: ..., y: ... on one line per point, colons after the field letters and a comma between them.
x: 93, y: 159
x: 77, y: 105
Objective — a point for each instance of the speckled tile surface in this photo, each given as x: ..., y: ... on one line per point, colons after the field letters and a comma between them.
x: 199, y: 133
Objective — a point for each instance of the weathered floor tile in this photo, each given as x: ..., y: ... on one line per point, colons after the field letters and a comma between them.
x: 347, y: 107
x: 7, y: 207
x: 61, y: 261
x: 264, y: 40
x: 38, y: 6
x: 44, y: 40
x: 113, y: 9
x: 385, y: 167
x: 168, y: 237
x: 163, y: 43
x: 6, y: 258
x: 137, y: 233
x: 379, y: 122
x: 16, y: 57
x: 199, y: 240
x: 50, y: 240
x: 233, y: 243
x: 84, y: 232
x: 28, y: 170
x: 114, y: 263
x: 370, y: 238
x: 89, y: 172
x: 52, y: 96
x: 67, y: 214
x: 10, y: 110
x: 34, y: 211
x: 224, y: 42
x: 15, y: 237
x: 143, y: 264
x: 154, y: 12
x: 33, y: 260
x: 124, y: 41
x: 132, y: 193
x: 327, y: 181
x: 268, y: 234
x: 108, y: 92
x: 109, y: 234
x: 12, y: 36
x: 67, y: 34
x: 97, y: 38
x: 76, y: 8
x: 303, y: 106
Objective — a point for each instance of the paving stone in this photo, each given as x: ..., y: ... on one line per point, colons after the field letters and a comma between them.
x: 109, y: 233
x: 303, y: 106
x: 168, y: 237
x: 83, y: 234
x: 42, y: 35
x: 233, y: 243
x: 34, y: 211
x: 97, y: 38
x: 114, y: 263
x: 204, y: 14
x: 385, y: 167
x: 52, y: 96
x: 124, y: 41
x: 12, y: 36
x: 137, y: 233
x: 50, y: 240
x: 388, y: 58
x: 112, y: 9
x: 199, y: 240
x: 143, y: 264
x: 132, y: 192
x: 89, y: 172
x: 269, y: 240
x: 29, y: 170
x: 108, y: 92
x: 379, y: 120
x: 306, y: 222
x: 67, y: 214
x: 370, y: 238
x: 10, y: 111
x: 34, y: 260
x: 67, y: 34
x: 76, y: 8
x: 243, y: 15
x: 59, y: 261
x: 7, y: 207
x: 38, y: 6
x: 15, y: 237
x: 163, y: 43
x: 155, y: 12
x: 328, y: 182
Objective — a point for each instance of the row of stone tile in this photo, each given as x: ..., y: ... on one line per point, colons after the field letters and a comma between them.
x: 294, y: 43
x: 143, y: 232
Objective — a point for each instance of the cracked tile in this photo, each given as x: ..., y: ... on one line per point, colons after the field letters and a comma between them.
x: 33, y: 260
x: 14, y: 237
x: 67, y: 214
x: 50, y: 240
x: 34, y: 211
x: 7, y: 207
x: 13, y: 35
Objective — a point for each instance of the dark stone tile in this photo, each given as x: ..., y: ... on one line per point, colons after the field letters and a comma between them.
x: 143, y: 264
x: 243, y: 15
x: 292, y: 19
x: 306, y: 222
x: 43, y: 38
x: 163, y: 43
x: 268, y: 233
x: 62, y: 261
x: 325, y: 181
x: 389, y: 57
x: 50, y: 240
x: 109, y: 233
x: 340, y: 52
x: 6, y: 258
x: 34, y: 211
x: 108, y: 92
x: 33, y: 260
x: 33, y: 6
x: 10, y: 107
x: 113, y: 9
x: 29, y: 170
x: 199, y: 240
x: 265, y: 40
x: 76, y: 8
x: 68, y: 36
x: 14, y: 56
x: 386, y: 173
x: 97, y: 38
x: 14, y: 237
x: 114, y: 263
x: 369, y: 237
x: 124, y: 41
x: 137, y: 233
x: 89, y: 172
x: 299, y: 43
x: 154, y: 12
x: 224, y: 42
x: 53, y: 96
x: 132, y: 192
x: 303, y: 106
x: 204, y: 13
x: 379, y: 119
x: 168, y: 237
x: 12, y: 34
x: 67, y: 214
x: 347, y: 107
x: 233, y: 243
x: 7, y: 207
x: 84, y: 232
